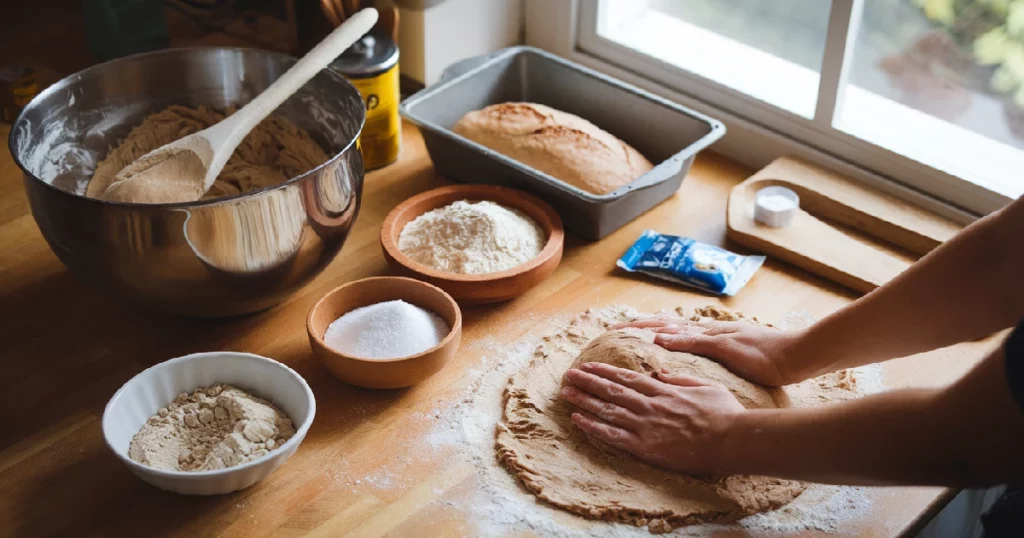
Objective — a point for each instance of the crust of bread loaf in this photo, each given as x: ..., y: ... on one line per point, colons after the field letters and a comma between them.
x: 562, y: 145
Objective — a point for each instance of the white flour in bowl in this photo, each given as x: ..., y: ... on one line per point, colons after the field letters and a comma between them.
x: 472, y: 238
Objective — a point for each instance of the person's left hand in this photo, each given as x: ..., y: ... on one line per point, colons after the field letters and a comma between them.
x: 676, y: 421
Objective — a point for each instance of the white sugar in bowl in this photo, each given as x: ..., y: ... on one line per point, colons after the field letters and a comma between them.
x: 143, y: 395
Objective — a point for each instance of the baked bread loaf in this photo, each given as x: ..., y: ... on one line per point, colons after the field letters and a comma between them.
x: 557, y: 143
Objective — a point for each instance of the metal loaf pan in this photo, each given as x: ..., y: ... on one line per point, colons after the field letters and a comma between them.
x: 668, y: 134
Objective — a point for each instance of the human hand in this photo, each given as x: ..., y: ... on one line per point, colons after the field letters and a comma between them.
x: 760, y: 354
x: 676, y: 421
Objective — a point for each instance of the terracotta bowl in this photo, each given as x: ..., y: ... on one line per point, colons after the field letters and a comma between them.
x: 476, y: 289
x: 386, y: 373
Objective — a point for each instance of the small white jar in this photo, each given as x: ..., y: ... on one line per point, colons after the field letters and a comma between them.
x: 776, y: 206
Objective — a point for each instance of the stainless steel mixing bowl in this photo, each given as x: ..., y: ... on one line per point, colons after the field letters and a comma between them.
x: 215, y: 258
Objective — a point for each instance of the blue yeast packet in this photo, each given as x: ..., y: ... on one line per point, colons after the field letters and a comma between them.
x: 689, y: 262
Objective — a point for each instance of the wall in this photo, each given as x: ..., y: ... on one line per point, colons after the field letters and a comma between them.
x: 452, y: 30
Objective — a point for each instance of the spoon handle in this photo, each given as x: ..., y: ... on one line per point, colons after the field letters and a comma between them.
x: 233, y: 130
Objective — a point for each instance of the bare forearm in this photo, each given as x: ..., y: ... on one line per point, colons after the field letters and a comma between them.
x: 863, y: 442
x: 967, y: 288
x: 969, y: 434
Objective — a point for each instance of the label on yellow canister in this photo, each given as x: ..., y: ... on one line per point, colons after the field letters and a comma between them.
x: 381, y: 138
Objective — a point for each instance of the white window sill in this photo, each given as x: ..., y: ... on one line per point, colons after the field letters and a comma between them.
x: 933, y: 141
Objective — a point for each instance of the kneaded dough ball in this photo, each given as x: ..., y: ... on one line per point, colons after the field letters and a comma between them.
x: 635, y: 350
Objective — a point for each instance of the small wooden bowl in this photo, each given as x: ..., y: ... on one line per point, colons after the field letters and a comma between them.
x: 386, y: 373
x: 485, y: 288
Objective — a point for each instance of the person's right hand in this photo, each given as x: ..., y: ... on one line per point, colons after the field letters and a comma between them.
x: 759, y: 354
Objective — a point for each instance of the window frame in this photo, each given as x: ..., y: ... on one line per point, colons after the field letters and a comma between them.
x: 758, y: 132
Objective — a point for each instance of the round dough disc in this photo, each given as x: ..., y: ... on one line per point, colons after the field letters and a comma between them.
x: 554, y: 460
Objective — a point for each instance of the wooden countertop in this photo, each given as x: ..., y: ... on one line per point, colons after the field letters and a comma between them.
x: 65, y: 349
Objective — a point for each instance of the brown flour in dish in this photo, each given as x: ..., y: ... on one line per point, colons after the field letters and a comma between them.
x: 275, y: 151
x: 213, y: 428
x: 538, y: 444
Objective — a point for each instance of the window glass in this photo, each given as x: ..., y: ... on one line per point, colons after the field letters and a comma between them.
x: 942, y: 82
x: 770, y: 50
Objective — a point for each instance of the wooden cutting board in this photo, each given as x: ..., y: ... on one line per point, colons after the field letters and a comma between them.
x: 847, y: 233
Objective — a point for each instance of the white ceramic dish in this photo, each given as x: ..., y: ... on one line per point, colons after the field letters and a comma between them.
x: 143, y: 395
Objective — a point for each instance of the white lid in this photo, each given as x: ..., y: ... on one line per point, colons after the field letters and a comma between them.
x: 776, y: 206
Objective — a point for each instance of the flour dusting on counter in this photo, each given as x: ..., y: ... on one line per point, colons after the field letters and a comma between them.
x: 500, y: 504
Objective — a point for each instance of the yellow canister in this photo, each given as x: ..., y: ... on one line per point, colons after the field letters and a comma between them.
x: 18, y: 85
x: 371, y: 65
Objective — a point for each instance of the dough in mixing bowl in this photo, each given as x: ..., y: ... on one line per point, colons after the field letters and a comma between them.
x: 275, y: 151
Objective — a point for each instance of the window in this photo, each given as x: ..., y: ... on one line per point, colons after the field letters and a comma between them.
x: 769, y: 50
x: 926, y: 94
x: 938, y: 83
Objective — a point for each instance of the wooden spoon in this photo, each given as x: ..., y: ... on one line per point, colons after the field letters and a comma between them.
x: 184, y: 170
x: 350, y: 6
x: 388, y: 22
